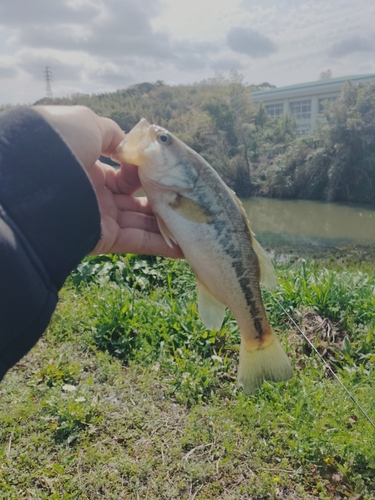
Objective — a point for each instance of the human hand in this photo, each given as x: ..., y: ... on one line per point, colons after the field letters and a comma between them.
x: 128, y: 224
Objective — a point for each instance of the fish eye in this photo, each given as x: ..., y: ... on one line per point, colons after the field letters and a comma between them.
x: 164, y: 138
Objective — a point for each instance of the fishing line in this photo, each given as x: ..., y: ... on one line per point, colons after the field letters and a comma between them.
x: 323, y: 361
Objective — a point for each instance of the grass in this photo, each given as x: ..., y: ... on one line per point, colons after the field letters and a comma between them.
x: 127, y: 395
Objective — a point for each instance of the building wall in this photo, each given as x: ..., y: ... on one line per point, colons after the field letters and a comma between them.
x: 306, y: 109
x: 305, y: 101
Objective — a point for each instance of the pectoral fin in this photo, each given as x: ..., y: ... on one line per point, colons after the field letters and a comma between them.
x: 210, y: 309
x: 191, y: 210
x: 167, y: 235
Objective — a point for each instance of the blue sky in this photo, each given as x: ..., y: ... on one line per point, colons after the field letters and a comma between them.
x: 97, y: 46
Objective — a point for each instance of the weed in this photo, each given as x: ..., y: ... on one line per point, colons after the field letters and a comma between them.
x: 57, y: 373
x: 68, y: 416
x: 129, y: 396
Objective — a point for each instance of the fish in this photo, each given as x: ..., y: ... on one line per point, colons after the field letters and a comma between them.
x: 196, y: 210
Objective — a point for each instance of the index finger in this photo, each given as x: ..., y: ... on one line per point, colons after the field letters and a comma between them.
x: 112, y: 135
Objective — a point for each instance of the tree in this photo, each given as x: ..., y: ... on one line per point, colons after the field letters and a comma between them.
x: 352, y: 132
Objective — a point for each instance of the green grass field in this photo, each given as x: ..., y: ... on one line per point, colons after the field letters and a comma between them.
x: 128, y: 396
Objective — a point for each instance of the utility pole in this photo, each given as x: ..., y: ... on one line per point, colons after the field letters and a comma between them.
x: 48, y: 78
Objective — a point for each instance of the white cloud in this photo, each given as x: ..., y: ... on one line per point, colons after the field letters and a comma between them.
x: 250, y: 42
x: 353, y: 43
x: 7, y: 72
x: 226, y: 64
x: 101, y: 45
x: 39, y: 12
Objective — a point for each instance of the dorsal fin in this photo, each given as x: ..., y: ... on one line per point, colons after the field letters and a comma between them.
x: 267, y: 272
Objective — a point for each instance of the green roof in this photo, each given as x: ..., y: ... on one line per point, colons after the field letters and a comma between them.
x: 318, y: 83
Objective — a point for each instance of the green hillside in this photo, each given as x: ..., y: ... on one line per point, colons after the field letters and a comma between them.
x: 257, y: 155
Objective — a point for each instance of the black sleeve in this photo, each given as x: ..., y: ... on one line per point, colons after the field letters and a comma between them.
x: 49, y: 220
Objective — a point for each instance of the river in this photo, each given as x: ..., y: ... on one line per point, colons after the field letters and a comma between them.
x: 309, y: 224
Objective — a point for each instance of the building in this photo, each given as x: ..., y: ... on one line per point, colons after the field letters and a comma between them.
x: 306, y: 100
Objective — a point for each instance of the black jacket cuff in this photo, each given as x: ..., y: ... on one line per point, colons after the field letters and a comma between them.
x: 49, y: 220
x: 46, y: 192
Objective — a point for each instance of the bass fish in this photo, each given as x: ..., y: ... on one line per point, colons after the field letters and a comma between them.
x: 196, y: 210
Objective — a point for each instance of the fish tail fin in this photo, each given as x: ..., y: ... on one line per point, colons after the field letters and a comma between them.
x: 262, y: 361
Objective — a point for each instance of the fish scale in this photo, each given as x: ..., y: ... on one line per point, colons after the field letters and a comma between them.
x: 196, y: 210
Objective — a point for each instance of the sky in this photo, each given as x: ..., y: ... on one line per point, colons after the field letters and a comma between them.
x: 95, y: 46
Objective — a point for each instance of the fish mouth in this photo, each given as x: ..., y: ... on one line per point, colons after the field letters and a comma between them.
x: 131, y: 149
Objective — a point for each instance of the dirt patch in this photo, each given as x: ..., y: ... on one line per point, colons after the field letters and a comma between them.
x: 327, y: 337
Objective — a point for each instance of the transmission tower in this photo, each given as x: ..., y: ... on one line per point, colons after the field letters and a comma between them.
x: 48, y: 78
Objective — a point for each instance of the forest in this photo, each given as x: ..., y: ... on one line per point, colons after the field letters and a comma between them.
x: 257, y: 155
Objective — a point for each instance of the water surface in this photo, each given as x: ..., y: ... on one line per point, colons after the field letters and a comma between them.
x: 310, y: 223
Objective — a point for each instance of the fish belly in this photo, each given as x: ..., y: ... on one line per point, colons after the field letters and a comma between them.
x: 216, y: 259
x: 226, y: 265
